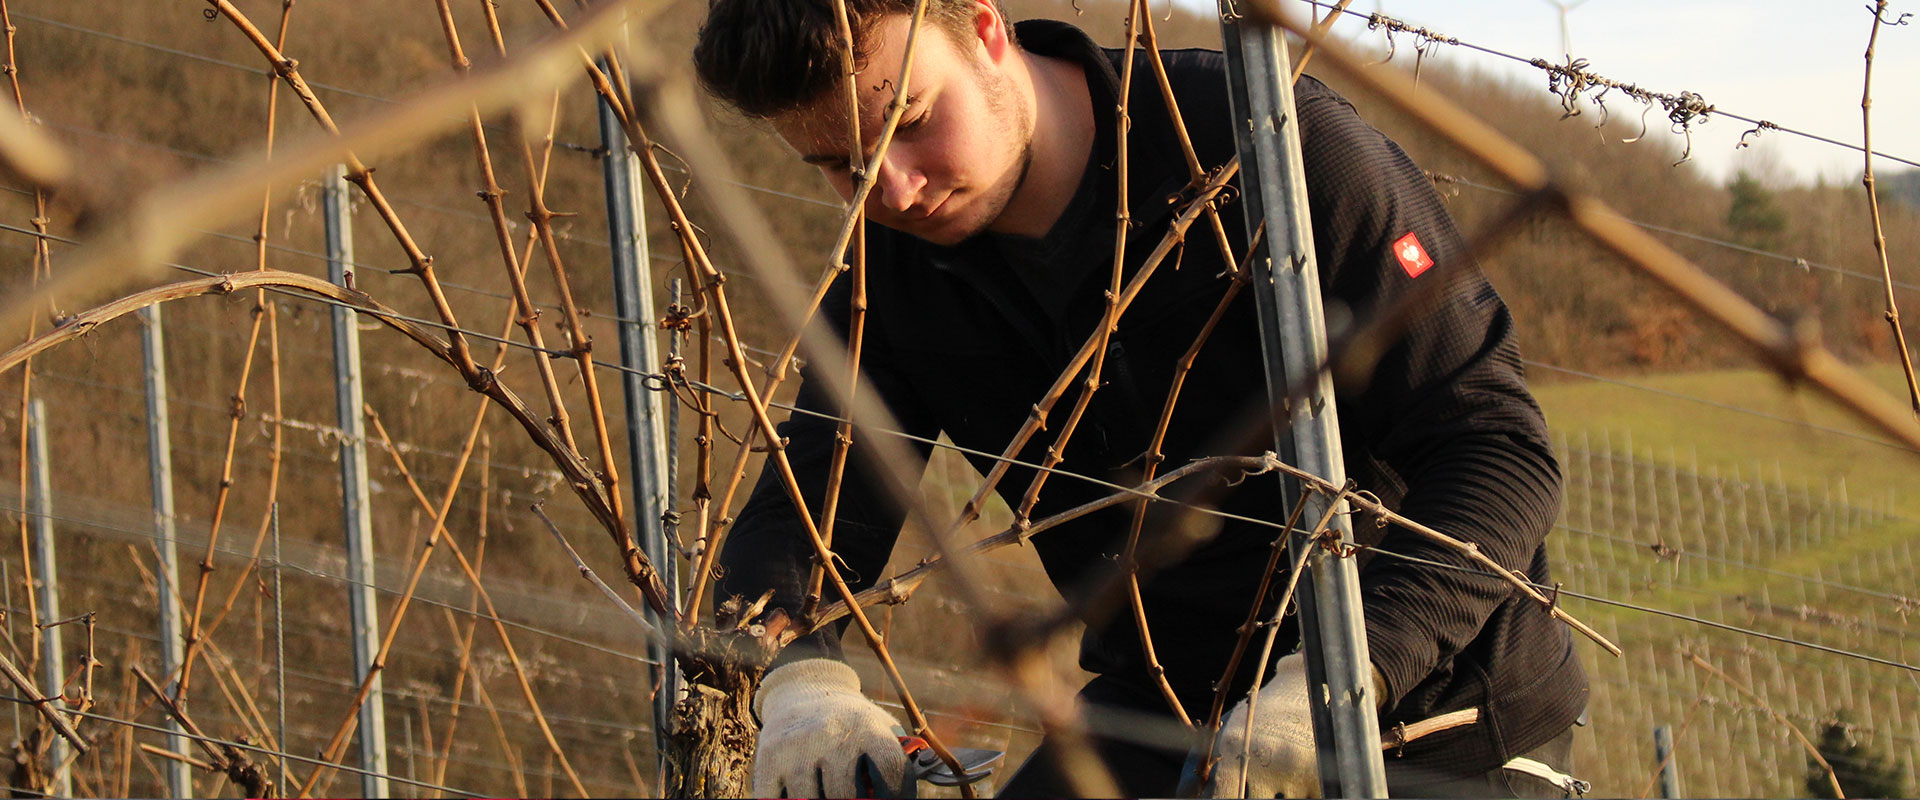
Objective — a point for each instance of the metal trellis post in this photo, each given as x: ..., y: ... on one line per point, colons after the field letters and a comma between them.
x: 1306, y: 434
x: 53, y: 662
x: 1663, y: 755
x: 639, y: 348
x: 160, y: 463
x: 356, y: 512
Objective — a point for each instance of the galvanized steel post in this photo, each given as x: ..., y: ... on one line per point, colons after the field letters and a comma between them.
x: 1663, y: 756
x: 160, y: 466
x: 356, y: 513
x: 646, y: 440
x: 53, y: 662
x: 1307, y: 433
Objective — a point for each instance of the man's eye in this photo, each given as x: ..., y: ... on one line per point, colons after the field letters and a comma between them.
x: 916, y: 123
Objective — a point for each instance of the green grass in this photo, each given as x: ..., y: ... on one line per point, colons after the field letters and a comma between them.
x: 1725, y: 439
x: 1734, y: 748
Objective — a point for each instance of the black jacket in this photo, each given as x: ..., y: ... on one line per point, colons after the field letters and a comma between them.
x: 1444, y: 431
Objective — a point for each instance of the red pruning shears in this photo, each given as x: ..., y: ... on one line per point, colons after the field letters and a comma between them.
x: 923, y: 765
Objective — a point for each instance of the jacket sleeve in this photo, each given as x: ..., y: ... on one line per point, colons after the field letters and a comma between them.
x: 767, y: 546
x: 1445, y: 412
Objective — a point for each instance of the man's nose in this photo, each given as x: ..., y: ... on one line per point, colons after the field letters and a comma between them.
x: 897, y: 186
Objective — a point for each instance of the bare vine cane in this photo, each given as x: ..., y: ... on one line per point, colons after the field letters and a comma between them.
x: 471, y: 572
x: 228, y: 760
x: 360, y: 175
x: 1196, y: 174
x: 335, y: 748
x: 41, y: 268
x: 1204, y: 768
x: 1154, y: 457
x: 857, y: 311
x: 1036, y: 420
x: 43, y: 704
x: 1792, y: 352
x: 1782, y: 721
x: 579, y: 344
x: 1110, y: 317
x: 237, y: 411
x: 466, y: 638
x: 528, y: 314
x: 900, y: 588
x: 1879, y: 10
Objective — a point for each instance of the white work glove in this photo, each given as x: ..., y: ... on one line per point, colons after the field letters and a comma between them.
x: 814, y: 726
x: 1282, y: 761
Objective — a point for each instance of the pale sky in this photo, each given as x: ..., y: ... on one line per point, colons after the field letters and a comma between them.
x: 1797, y: 63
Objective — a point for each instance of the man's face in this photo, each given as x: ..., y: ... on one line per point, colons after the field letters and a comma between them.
x: 960, y: 151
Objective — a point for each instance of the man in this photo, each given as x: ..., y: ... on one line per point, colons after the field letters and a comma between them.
x: 990, y: 243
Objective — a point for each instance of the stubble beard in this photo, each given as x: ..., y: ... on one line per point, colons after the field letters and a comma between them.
x: 1002, y: 104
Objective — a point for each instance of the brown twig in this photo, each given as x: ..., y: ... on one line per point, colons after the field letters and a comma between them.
x: 1685, y: 723
x: 1879, y: 9
x: 1775, y: 715
x: 506, y: 744
x: 493, y: 614
x: 1037, y: 418
x: 579, y: 345
x: 1297, y: 568
x: 473, y: 612
x: 43, y: 704
x: 857, y: 313
x: 591, y: 576
x: 1512, y: 576
x: 128, y: 696
x: 1319, y: 29
x: 42, y: 261
x: 173, y: 756
x: 360, y: 175
x: 227, y: 759
x: 336, y: 745
x: 1196, y: 174
x: 1110, y: 317
x: 1153, y: 459
x: 1278, y: 552
x: 237, y: 411
x: 527, y: 314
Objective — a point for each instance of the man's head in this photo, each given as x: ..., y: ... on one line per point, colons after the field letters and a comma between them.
x: 962, y: 146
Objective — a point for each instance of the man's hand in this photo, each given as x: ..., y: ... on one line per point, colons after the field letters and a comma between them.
x: 814, y: 727
x: 1282, y: 761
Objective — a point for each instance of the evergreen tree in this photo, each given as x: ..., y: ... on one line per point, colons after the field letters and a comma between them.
x: 1753, y: 215
x: 1862, y: 772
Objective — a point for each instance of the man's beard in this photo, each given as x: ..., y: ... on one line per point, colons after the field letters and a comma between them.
x: 1003, y: 103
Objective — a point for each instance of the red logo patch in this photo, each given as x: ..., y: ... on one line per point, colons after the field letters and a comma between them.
x: 1413, y: 258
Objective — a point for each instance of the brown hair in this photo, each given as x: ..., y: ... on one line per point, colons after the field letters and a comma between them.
x: 767, y: 57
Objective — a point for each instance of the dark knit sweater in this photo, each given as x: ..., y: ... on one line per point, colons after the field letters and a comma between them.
x: 960, y: 340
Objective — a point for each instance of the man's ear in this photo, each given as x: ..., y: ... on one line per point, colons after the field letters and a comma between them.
x: 990, y: 27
